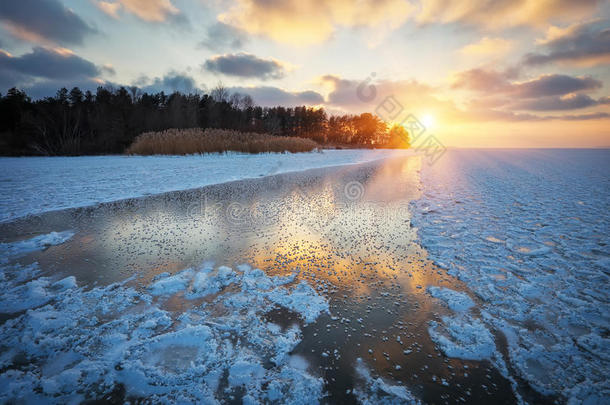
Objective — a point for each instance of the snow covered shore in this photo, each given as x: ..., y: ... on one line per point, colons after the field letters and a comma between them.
x: 32, y: 185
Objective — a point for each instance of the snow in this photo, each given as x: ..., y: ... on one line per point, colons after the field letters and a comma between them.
x: 74, y: 344
x: 32, y: 185
x: 528, y: 232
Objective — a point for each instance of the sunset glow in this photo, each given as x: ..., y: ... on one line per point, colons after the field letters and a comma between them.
x: 512, y: 74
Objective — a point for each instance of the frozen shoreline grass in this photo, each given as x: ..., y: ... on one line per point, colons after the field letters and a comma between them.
x: 198, y: 141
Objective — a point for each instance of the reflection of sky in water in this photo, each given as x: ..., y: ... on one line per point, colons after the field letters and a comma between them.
x: 355, y: 246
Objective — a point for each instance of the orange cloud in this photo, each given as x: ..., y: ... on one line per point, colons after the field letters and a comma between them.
x: 307, y: 22
x: 23, y: 33
x: 147, y: 10
x: 108, y: 8
x: 487, y: 46
x: 498, y: 14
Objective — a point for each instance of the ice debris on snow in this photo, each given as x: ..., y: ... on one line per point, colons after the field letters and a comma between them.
x: 84, y: 343
x: 21, y: 288
x: 527, y: 231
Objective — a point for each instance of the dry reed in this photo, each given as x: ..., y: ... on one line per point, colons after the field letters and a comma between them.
x: 197, y: 141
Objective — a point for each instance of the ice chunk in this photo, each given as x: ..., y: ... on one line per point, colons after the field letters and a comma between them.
x: 463, y: 337
x: 455, y: 300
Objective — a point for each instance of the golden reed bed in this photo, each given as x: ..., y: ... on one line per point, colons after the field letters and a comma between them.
x: 197, y: 140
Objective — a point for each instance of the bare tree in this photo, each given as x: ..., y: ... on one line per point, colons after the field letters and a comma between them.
x: 220, y: 93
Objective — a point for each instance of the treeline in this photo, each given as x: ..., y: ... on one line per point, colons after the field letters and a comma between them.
x: 76, y: 122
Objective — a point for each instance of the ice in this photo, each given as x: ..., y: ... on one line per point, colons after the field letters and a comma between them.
x: 20, y: 248
x: 172, y: 284
x: 378, y: 391
x: 85, y: 342
x: 533, y: 245
x: 455, y: 300
x: 33, y: 294
x: 206, y: 283
x: 302, y: 299
x: 21, y: 288
x: 463, y: 337
x: 31, y: 185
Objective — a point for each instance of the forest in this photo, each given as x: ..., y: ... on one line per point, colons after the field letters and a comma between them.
x: 107, y: 122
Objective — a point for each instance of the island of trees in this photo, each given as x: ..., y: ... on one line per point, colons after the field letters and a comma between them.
x: 83, y: 123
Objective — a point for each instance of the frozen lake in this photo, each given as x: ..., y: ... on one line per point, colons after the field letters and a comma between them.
x: 483, y: 278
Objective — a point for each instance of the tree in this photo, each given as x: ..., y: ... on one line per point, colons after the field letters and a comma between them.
x: 108, y: 121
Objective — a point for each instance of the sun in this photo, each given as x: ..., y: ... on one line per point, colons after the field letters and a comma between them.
x: 428, y: 120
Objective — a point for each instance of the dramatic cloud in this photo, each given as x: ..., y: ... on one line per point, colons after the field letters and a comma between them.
x: 308, y: 22
x: 487, y: 46
x: 567, y: 102
x: 273, y: 96
x: 222, y: 37
x: 171, y: 82
x: 498, y: 14
x: 580, y: 44
x: 499, y: 83
x: 48, y: 64
x: 500, y: 97
x: 553, y: 85
x: 245, y: 65
x: 147, y: 10
x: 43, y: 22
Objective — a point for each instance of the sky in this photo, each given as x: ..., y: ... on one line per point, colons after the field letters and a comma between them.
x: 490, y: 73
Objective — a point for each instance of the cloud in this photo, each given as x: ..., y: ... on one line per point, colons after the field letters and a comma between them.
x: 485, y: 81
x: 43, y: 22
x: 246, y: 65
x: 584, y: 117
x: 273, y: 96
x: 364, y: 95
x: 585, y: 44
x: 567, y: 102
x: 481, y: 80
x: 48, y: 88
x: 169, y: 83
x: 47, y: 64
x: 109, y: 8
x: 221, y: 37
x: 499, y: 97
x: 487, y: 46
x: 553, y: 85
x: 146, y: 10
x: 108, y: 69
x: 308, y: 22
x: 499, y: 14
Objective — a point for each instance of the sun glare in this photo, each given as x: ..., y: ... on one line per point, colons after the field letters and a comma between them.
x: 428, y: 120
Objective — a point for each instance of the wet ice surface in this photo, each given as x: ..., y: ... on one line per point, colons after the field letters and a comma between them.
x: 161, y: 297
x: 528, y: 232
x: 39, y: 184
